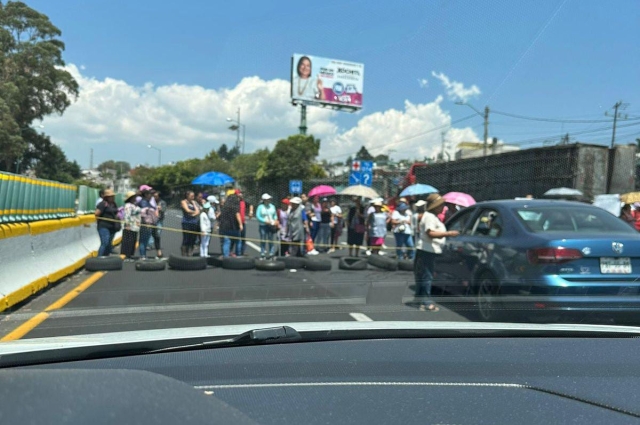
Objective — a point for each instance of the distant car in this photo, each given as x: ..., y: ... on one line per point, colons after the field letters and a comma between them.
x: 541, y: 256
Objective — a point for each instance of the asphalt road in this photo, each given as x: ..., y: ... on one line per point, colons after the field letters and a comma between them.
x: 134, y: 300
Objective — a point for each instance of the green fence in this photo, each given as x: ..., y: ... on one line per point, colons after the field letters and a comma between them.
x: 87, y: 198
x: 26, y: 199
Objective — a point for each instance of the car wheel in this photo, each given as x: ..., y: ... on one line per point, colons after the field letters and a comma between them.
x: 97, y: 264
x: 270, y: 265
x: 352, y: 263
x: 405, y: 265
x: 187, y: 263
x: 150, y: 265
x: 318, y: 265
x: 382, y: 262
x: 293, y: 262
x: 486, y: 290
x: 238, y: 263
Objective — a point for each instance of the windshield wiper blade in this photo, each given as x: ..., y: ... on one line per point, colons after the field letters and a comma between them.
x: 252, y: 337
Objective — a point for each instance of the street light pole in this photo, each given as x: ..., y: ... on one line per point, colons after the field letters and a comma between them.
x: 486, y: 123
x: 236, y: 127
x: 159, y: 154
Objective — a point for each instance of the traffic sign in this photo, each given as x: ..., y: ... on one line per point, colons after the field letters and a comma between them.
x: 295, y: 187
x: 366, y: 172
x: 354, y: 178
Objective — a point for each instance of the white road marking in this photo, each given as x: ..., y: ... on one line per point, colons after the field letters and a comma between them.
x: 361, y: 317
x: 252, y: 245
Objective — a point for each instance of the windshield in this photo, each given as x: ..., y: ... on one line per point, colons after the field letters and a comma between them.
x: 173, y: 165
x: 570, y: 220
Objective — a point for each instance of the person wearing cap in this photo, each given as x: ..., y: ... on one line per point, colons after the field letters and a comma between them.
x: 267, y: 217
x: 108, y: 223
x: 402, y: 231
x: 205, y: 230
x: 149, y: 218
x: 433, y: 234
x: 296, y: 227
x: 377, y: 227
x: 337, y: 223
x: 131, y: 226
x: 283, y: 216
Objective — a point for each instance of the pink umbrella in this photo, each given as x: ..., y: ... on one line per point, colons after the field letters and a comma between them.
x: 322, y: 190
x: 459, y: 198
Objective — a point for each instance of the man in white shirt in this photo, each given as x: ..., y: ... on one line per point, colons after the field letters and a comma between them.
x: 432, y: 235
x: 337, y: 220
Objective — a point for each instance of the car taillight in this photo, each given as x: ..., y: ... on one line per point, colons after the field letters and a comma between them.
x: 553, y: 255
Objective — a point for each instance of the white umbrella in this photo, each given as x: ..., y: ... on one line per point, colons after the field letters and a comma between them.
x: 360, y: 190
x: 563, y: 191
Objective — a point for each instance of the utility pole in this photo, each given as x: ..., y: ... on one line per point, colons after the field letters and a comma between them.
x: 238, y: 132
x: 619, y: 105
x: 91, y: 159
x: 303, y: 119
x: 443, y: 145
x: 486, y: 129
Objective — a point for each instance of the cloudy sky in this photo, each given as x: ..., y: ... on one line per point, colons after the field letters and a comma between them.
x: 169, y: 74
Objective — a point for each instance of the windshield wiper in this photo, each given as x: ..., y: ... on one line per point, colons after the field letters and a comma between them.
x: 255, y: 336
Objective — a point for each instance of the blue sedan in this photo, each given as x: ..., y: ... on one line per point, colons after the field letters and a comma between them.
x: 540, y: 256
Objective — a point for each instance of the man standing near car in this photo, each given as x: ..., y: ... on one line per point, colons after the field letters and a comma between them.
x: 432, y: 236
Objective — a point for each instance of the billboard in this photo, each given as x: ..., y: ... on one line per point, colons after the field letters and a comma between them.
x: 322, y: 81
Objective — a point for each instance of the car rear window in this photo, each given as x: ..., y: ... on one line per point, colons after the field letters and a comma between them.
x: 574, y: 220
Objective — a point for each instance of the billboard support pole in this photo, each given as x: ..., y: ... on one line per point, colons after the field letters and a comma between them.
x: 303, y: 119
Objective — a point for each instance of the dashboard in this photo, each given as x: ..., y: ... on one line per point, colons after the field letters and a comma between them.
x: 414, y: 380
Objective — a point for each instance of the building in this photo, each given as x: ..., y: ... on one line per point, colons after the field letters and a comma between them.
x: 476, y: 149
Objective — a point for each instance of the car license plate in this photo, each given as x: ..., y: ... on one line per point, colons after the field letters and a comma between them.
x: 609, y: 265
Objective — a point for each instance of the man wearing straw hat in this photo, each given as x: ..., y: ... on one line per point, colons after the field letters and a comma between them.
x: 432, y: 236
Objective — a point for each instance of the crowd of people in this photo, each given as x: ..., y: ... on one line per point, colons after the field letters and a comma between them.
x: 140, y: 218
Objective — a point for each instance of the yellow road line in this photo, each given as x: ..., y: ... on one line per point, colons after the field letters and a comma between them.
x: 36, y: 320
x: 26, y: 327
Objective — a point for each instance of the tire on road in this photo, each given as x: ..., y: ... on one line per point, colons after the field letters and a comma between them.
x: 150, y: 265
x: 318, y: 265
x: 382, y: 262
x: 293, y: 262
x: 187, y: 263
x: 238, y: 263
x: 405, y: 265
x: 98, y: 264
x: 270, y: 265
x: 352, y: 263
x: 215, y: 260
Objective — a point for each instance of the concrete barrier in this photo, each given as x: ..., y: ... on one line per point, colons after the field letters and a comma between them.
x: 19, y: 276
x: 37, y: 254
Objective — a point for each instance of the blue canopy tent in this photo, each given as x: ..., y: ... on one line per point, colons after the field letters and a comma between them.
x: 213, y: 178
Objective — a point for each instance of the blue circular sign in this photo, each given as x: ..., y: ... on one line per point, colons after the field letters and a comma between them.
x: 338, y: 88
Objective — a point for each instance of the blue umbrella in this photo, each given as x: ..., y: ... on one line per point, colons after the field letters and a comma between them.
x: 213, y: 178
x: 418, y: 189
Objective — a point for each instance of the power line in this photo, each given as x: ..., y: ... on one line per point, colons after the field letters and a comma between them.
x: 431, y: 130
x: 595, y: 130
x: 566, y: 121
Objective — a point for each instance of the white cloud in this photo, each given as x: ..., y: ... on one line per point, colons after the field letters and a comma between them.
x: 414, y: 132
x: 456, y: 90
x: 423, y: 83
x: 119, y: 120
x: 111, y: 113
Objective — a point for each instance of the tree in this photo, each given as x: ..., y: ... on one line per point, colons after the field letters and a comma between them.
x: 223, y: 151
x: 364, y: 155
x: 348, y: 161
x: 120, y: 167
x: 33, y: 82
x: 293, y: 158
